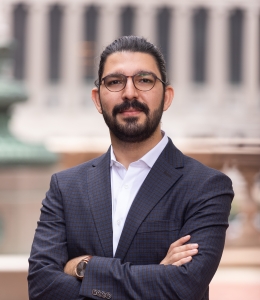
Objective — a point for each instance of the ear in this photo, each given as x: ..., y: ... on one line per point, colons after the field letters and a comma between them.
x: 168, y: 96
x: 96, y: 99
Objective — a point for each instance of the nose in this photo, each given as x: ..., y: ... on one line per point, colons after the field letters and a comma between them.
x: 129, y: 92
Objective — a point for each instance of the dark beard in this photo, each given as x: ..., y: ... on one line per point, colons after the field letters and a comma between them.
x: 131, y: 131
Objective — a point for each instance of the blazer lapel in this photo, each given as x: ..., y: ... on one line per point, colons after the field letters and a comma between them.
x: 160, y: 179
x: 99, y: 191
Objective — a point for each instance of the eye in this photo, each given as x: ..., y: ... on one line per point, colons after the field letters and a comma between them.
x: 113, y: 80
x: 144, y: 79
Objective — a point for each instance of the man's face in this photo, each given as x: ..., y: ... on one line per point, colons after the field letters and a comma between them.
x: 131, y: 115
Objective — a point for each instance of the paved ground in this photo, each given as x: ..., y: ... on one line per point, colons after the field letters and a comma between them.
x: 236, y: 284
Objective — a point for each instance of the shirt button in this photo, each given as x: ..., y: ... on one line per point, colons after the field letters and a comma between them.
x: 126, y: 186
x: 118, y: 222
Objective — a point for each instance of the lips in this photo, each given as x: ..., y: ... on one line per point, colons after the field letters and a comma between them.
x: 134, y: 110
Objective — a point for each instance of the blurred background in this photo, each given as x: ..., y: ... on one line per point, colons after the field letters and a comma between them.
x: 49, y: 55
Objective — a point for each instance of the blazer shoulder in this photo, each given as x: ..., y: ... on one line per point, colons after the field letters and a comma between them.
x: 202, y: 173
x: 179, y: 160
x: 194, y: 165
x: 82, y: 168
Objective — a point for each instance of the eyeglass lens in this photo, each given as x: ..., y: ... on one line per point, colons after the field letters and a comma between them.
x: 142, y: 81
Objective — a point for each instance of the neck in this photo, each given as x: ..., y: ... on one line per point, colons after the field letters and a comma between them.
x: 126, y: 153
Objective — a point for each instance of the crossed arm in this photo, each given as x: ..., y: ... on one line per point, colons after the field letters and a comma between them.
x: 181, y: 275
x: 177, y: 255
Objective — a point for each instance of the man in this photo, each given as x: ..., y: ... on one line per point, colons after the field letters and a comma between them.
x: 117, y: 227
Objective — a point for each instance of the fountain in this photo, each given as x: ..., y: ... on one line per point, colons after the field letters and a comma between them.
x: 13, y: 151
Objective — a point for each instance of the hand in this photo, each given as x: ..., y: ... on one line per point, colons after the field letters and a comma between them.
x: 179, y: 254
x: 71, y: 265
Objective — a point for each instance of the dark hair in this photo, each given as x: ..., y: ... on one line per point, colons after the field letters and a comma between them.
x: 132, y: 44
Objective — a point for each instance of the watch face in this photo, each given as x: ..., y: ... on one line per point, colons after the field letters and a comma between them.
x: 80, y: 270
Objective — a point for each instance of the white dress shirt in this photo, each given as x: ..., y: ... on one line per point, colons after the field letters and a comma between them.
x: 125, y: 183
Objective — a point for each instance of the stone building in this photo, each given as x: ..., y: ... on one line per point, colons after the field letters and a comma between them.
x: 211, y: 48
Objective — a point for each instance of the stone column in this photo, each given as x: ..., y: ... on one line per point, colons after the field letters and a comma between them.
x: 172, y: 47
x: 37, y: 53
x: 217, y: 60
x: 251, y: 57
x: 108, y: 25
x: 145, y: 22
x: 108, y: 29
x: 72, y: 34
x: 181, y: 52
x: 6, y: 23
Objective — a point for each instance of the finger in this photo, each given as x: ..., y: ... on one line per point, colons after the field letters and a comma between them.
x: 183, y: 248
x: 179, y: 256
x: 173, y: 259
x: 182, y: 261
x: 181, y: 241
x: 184, y: 254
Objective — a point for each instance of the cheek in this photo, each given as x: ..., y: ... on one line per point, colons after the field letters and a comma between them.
x: 108, y: 105
x: 154, y: 101
x: 109, y: 100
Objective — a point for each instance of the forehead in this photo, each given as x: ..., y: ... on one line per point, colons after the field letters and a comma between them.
x: 130, y: 63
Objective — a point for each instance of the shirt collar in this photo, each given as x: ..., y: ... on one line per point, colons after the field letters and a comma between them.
x: 150, y: 157
x: 112, y: 157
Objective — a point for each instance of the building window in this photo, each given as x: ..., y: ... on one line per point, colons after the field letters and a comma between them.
x: 127, y: 20
x: 235, y: 46
x: 90, y: 40
x: 199, y: 27
x: 163, y: 32
x: 55, y: 33
x: 19, y: 33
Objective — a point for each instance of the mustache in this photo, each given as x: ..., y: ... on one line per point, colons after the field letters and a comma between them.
x: 130, y: 104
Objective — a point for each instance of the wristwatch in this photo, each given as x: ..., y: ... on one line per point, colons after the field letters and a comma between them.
x: 81, y: 267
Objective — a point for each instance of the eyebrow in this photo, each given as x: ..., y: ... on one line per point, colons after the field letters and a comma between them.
x: 139, y: 71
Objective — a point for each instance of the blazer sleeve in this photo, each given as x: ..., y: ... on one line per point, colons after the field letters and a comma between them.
x: 206, y: 220
x: 46, y: 278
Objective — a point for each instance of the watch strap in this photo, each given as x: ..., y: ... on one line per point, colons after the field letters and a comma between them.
x: 81, y: 266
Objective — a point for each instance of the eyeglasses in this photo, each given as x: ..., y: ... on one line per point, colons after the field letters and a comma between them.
x: 143, y: 81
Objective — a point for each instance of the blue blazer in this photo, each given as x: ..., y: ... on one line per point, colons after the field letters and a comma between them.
x: 179, y: 196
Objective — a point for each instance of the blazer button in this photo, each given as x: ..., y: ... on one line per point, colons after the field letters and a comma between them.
x: 94, y: 292
x: 108, y: 296
x: 99, y: 293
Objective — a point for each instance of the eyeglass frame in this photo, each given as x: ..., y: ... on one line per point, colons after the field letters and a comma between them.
x: 98, y: 84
